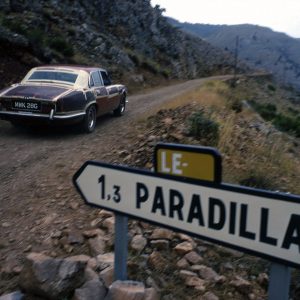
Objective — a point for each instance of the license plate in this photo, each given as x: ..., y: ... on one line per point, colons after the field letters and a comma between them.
x: 26, y: 105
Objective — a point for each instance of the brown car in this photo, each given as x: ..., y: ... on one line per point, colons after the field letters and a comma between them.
x: 62, y: 94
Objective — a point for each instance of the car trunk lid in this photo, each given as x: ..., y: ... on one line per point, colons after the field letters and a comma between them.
x: 44, y: 92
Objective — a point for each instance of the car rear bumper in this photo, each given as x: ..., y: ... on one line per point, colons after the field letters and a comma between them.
x: 52, y: 117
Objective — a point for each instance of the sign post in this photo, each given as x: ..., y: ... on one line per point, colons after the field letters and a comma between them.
x: 237, y: 217
x: 279, y: 283
x: 121, y: 248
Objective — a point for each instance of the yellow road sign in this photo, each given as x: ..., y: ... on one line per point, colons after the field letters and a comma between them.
x: 201, y: 163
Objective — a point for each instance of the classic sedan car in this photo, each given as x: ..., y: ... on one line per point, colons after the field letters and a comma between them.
x: 62, y: 94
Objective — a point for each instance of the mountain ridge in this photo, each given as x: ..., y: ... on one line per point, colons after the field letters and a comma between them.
x: 260, y: 47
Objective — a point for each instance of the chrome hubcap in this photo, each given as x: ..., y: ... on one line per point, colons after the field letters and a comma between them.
x: 91, y: 118
x: 122, y: 106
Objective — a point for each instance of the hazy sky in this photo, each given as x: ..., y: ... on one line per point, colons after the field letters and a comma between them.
x: 282, y: 16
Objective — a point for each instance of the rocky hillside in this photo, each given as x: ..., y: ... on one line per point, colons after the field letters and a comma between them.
x: 58, y: 235
x: 130, y: 38
x: 258, y: 46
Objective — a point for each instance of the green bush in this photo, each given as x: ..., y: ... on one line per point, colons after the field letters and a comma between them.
x: 201, y: 127
x: 15, y: 25
x: 286, y: 123
x: 271, y: 87
x: 150, y: 66
x: 236, y: 105
x: 36, y: 37
x: 258, y: 181
x: 267, y: 111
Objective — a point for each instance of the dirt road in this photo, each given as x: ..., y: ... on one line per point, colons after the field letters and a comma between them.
x: 36, y: 168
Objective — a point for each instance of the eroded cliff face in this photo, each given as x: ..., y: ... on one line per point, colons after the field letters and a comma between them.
x: 131, y: 38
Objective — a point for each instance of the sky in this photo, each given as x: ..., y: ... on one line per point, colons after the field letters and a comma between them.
x: 282, y: 16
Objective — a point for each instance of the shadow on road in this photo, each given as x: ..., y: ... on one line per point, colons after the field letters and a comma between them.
x: 48, y: 131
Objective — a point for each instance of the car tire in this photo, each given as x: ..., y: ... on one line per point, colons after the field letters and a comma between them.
x: 119, y: 111
x: 89, y: 122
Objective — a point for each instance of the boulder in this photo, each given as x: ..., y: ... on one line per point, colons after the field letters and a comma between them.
x: 151, y: 294
x: 209, y: 296
x: 156, y: 261
x: 138, y: 243
x: 161, y: 233
x: 105, y: 260
x: 129, y: 290
x: 107, y: 276
x: 208, y: 273
x: 160, y: 244
x: 193, y: 257
x: 52, y: 278
x: 13, y: 296
x: 183, y: 248
x: 241, y: 284
x: 97, y: 245
x: 93, y: 289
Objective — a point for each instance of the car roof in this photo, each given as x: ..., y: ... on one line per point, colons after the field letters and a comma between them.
x: 70, y: 68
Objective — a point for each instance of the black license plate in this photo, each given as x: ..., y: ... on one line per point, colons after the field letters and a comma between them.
x: 26, y: 105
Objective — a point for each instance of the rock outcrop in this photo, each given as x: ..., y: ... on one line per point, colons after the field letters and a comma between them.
x: 130, y: 38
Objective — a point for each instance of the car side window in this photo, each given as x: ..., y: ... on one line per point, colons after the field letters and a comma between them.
x: 95, y: 79
x: 105, y: 77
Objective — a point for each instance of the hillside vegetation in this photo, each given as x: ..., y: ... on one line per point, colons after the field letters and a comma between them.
x: 130, y: 38
x: 259, y: 47
x: 254, y: 153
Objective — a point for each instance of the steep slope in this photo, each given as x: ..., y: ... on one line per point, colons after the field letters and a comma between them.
x: 131, y: 38
x: 258, y: 46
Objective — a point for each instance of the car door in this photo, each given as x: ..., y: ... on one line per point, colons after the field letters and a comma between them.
x: 100, y: 93
x: 112, y: 90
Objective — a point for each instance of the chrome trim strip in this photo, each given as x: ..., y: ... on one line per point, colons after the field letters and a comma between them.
x: 113, y: 95
x: 51, y: 114
x: 9, y: 89
x: 63, y: 117
x: 35, y: 115
x: 23, y: 114
x: 89, y: 104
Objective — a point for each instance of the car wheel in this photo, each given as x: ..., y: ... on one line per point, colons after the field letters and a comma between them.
x: 119, y: 111
x: 89, y: 122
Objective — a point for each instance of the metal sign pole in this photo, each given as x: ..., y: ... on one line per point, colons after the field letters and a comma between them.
x: 279, y: 285
x: 121, y: 247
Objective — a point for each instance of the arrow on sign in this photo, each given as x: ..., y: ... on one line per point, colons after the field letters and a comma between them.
x: 262, y: 223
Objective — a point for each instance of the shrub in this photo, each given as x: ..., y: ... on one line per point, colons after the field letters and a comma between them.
x: 267, y: 111
x: 258, y: 181
x: 36, y: 37
x: 150, y: 66
x: 286, y: 123
x: 236, y: 105
x: 203, y: 128
x: 271, y: 87
x: 15, y: 25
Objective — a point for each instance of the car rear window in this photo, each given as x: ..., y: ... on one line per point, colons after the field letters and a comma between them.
x: 53, y: 76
